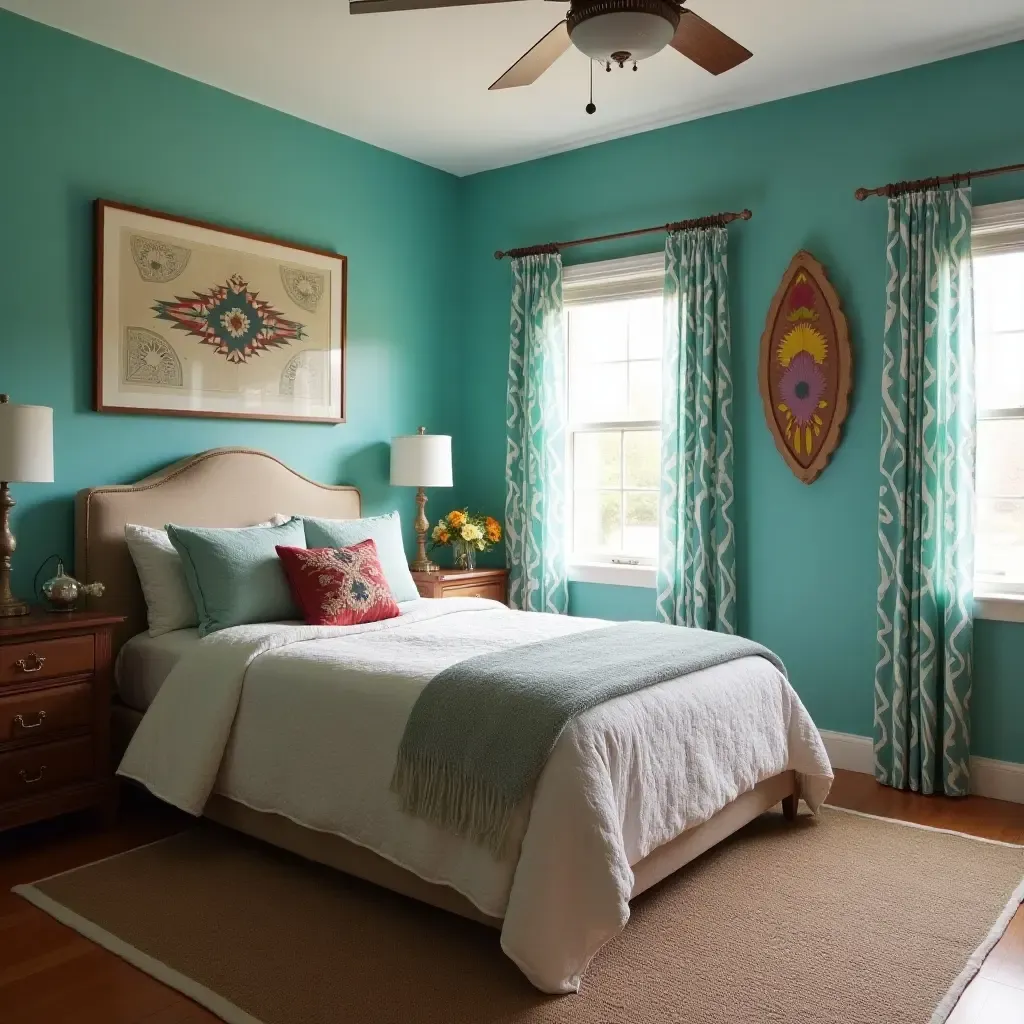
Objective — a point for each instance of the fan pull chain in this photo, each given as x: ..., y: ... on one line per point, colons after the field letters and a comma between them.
x: 591, y: 108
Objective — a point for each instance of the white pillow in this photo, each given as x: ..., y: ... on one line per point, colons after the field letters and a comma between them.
x: 169, y: 603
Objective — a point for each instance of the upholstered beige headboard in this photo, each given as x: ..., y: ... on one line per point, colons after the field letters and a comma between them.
x: 221, y: 487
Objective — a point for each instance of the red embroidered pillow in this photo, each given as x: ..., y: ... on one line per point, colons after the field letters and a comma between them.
x: 338, y: 586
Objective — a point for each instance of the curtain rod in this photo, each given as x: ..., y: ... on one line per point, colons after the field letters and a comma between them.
x: 714, y: 221
x: 899, y: 188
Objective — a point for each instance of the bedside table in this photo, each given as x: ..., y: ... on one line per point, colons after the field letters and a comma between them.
x: 55, y: 671
x: 492, y: 583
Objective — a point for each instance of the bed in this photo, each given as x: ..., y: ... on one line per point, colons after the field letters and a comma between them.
x: 309, y: 722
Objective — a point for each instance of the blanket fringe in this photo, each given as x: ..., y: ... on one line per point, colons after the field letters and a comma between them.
x: 434, y: 789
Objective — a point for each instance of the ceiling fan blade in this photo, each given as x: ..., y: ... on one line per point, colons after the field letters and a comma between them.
x: 705, y: 45
x: 536, y: 60
x: 381, y: 6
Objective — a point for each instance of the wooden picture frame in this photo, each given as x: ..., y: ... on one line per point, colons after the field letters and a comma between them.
x: 805, y: 371
x: 196, y: 319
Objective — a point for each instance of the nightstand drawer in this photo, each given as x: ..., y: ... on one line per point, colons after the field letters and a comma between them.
x: 45, y: 659
x: 490, y: 583
x: 40, y: 714
x: 24, y: 773
x: 55, y: 715
x: 495, y: 591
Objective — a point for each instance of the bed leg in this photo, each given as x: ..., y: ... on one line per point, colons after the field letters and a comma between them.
x: 791, y: 803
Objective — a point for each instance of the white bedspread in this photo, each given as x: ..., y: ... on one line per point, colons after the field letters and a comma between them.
x: 305, y: 721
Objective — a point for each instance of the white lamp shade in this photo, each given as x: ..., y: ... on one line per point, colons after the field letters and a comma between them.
x: 26, y: 443
x: 421, y: 460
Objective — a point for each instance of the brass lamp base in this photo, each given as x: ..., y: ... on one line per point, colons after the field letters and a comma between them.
x: 13, y: 607
x: 9, y: 604
x: 421, y: 563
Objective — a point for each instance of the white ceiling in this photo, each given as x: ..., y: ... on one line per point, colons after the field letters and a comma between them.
x: 416, y: 82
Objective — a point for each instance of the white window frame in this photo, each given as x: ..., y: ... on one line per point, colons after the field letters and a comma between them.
x: 607, y: 281
x: 998, y: 227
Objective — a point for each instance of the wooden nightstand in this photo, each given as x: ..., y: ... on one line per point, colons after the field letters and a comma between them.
x: 55, y: 673
x: 492, y: 583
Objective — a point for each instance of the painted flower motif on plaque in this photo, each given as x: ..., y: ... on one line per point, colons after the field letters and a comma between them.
x: 801, y: 389
x: 806, y: 371
x: 232, y: 319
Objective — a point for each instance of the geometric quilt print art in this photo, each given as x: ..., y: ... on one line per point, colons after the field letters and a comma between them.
x: 338, y: 586
x: 234, y: 320
x: 194, y: 319
x: 805, y: 370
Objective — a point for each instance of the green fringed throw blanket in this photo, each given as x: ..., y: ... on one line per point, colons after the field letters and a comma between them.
x: 481, y: 731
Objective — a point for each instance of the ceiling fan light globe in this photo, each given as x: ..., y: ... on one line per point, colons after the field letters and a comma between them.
x: 631, y: 34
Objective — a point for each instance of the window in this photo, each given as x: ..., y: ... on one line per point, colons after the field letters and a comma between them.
x: 998, y: 243
x: 613, y: 323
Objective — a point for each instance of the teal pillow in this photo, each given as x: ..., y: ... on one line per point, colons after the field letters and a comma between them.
x: 386, y: 533
x: 235, y: 576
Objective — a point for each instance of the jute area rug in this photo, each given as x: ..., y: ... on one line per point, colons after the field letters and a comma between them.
x: 844, y: 919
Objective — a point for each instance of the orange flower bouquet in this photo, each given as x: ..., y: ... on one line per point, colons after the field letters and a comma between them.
x: 465, y: 533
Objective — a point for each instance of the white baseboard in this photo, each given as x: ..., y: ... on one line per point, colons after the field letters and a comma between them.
x: 849, y: 752
x: 999, y: 780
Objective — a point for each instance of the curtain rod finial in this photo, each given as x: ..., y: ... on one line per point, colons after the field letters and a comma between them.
x: 861, y: 194
x: 498, y: 254
x: 746, y: 215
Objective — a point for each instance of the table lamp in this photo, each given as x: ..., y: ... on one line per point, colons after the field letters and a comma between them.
x: 26, y: 456
x: 421, y: 460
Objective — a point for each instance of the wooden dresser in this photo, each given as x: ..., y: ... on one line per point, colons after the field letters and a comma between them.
x: 492, y: 583
x: 55, y: 671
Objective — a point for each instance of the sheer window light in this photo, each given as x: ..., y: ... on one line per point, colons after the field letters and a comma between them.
x: 614, y: 324
x: 998, y: 244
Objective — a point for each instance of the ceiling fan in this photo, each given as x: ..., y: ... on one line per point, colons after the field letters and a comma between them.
x: 609, y: 31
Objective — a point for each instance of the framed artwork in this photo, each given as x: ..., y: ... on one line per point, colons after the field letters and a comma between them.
x: 806, y: 368
x: 193, y: 319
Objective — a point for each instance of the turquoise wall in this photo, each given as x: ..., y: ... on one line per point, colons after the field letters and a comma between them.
x: 806, y: 554
x: 79, y: 121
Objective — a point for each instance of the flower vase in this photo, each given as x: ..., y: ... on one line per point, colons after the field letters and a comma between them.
x: 465, y: 555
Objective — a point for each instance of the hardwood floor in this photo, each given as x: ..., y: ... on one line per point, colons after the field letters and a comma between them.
x: 50, y: 975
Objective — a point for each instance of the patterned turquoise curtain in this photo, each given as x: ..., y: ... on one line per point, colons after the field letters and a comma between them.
x: 697, y: 547
x: 535, y: 496
x: 926, y: 498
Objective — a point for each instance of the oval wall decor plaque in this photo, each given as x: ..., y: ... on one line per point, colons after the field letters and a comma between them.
x: 806, y: 368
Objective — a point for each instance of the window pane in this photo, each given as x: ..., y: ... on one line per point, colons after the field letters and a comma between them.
x: 999, y: 292
x: 645, y: 390
x: 640, y: 536
x: 999, y: 323
x: 597, y: 393
x: 598, y: 333
x: 1001, y: 458
x: 999, y: 547
x: 642, y: 457
x: 597, y: 459
x: 597, y: 523
x: 645, y: 328
x: 1000, y: 370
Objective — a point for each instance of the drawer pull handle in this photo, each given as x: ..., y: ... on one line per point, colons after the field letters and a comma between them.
x: 33, y: 663
x: 21, y: 723
x: 29, y: 780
